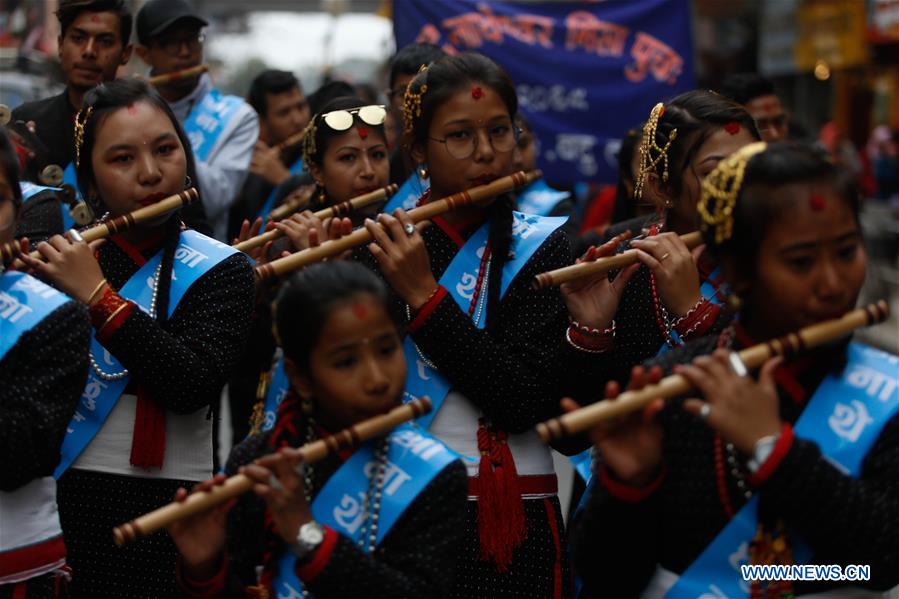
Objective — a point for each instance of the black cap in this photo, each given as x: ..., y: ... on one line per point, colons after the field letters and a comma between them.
x: 158, y: 15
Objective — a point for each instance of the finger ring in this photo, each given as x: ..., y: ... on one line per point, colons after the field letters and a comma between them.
x: 736, y: 363
x: 75, y: 236
x: 665, y: 255
x: 274, y: 483
x: 704, y: 411
x: 409, y: 228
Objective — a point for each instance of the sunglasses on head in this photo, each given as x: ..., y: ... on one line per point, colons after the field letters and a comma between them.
x: 341, y: 120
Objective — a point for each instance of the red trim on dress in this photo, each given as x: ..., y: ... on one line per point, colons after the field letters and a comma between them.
x: 32, y: 557
x: 450, y: 231
x: 781, y: 448
x: 427, y: 308
x: 628, y: 493
x: 557, y: 566
x: 308, y: 572
x: 202, y: 589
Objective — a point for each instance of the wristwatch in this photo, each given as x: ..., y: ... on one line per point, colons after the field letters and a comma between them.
x: 762, y: 450
x: 309, y: 538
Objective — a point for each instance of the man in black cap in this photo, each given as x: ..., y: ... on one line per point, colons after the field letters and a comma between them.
x: 222, y: 129
x: 93, y: 44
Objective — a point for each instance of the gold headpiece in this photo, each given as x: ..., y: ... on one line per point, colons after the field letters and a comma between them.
x: 309, y: 142
x: 80, y: 121
x: 648, y: 145
x: 720, y: 190
x: 412, y: 100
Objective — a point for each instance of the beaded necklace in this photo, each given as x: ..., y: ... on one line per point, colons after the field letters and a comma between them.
x: 369, y: 537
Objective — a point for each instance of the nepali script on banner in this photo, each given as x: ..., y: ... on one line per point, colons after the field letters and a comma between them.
x: 585, y: 72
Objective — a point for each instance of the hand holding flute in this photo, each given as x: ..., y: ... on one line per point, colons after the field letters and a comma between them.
x: 224, y: 490
x: 627, y: 434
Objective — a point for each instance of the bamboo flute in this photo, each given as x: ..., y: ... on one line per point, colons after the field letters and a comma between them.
x: 340, y: 209
x: 239, y: 484
x: 291, y: 205
x: 177, y: 75
x: 469, y: 197
x: 113, y: 226
x: 675, y: 385
x: 565, y: 274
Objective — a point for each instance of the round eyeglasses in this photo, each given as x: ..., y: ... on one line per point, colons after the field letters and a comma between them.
x: 462, y: 143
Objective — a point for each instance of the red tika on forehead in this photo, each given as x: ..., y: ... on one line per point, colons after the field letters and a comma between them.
x: 131, y: 109
x: 360, y: 311
x: 363, y: 132
x: 477, y: 93
x: 732, y: 127
x: 817, y: 203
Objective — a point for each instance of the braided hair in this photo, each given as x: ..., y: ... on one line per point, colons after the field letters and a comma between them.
x: 9, y: 162
x: 430, y: 89
x: 98, y: 104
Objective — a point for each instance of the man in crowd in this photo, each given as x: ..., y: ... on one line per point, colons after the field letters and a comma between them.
x: 283, y: 112
x: 222, y: 129
x: 756, y: 94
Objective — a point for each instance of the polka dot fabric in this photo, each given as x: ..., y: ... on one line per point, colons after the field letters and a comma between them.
x: 41, y: 379
x: 183, y: 365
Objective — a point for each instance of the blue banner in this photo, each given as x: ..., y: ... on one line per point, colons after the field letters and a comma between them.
x: 844, y: 418
x: 24, y: 303
x: 414, y: 459
x: 586, y: 72
x: 460, y: 280
x: 207, y: 121
x: 195, y: 256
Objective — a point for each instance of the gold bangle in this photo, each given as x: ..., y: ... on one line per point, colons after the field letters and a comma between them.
x: 113, y: 315
x: 96, y: 291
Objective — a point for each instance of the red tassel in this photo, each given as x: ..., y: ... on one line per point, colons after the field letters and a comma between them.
x: 510, y: 502
x: 501, y: 520
x: 148, y: 437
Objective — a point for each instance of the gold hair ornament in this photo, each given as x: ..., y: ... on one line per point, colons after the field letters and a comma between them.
x: 648, y: 145
x: 308, y: 136
x: 80, y: 121
x: 412, y: 99
x: 720, y: 190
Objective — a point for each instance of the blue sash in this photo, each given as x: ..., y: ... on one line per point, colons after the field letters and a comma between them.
x: 196, y: 255
x: 295, y: 169
x: 582, y: 462
x: 708, y: 291
x: 539, y: 198
x: 528, y: 234
x: 24, y: 303
x: 844, y: 417
x: 29, y: 190
x: 208, y: 120
x: 414, y: 459
x: 277, y: 391
x: 408, y: 193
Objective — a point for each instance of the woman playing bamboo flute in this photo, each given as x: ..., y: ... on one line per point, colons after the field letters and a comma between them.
x: 382, y: 521
x: 170, y: 310
x: 481, y: 341
x: 675, y: 294
x: 796, y: 465
x: 44, y: 337
x: 345, y: 150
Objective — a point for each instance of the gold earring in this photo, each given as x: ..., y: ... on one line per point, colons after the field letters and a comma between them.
x: 423, y: 172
